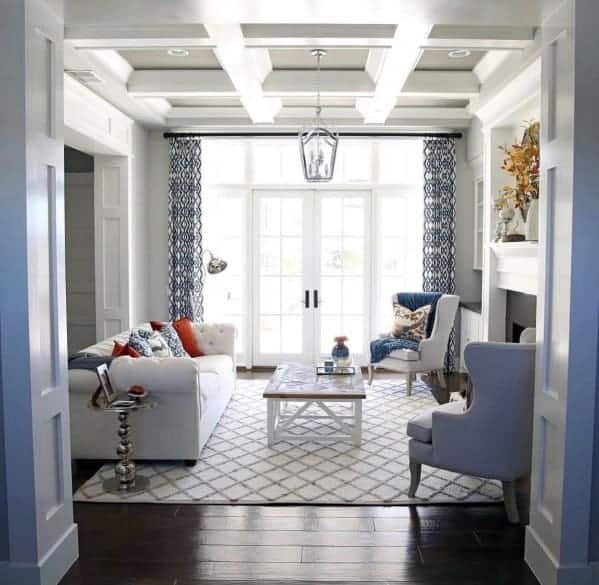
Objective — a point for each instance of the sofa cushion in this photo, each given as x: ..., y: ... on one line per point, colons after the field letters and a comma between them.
x: 420, y: 427
x: 184, y: 328
x: 215, y: 364
x: 407, y: 355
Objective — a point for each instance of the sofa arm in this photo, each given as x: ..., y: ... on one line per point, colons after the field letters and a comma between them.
x: 172, y: 375
x: 216, y: 338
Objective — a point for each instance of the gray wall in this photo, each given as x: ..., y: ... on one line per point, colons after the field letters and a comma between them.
x: 76, y: 161
x: 79, y: 249
x: 468, y: 281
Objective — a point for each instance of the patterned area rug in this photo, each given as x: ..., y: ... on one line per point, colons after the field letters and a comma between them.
x: 236, y: 466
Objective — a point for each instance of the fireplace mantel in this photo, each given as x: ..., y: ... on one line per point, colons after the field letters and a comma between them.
x: 516, y: 266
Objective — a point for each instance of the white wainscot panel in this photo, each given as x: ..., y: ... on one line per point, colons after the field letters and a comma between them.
x: 516, y: 266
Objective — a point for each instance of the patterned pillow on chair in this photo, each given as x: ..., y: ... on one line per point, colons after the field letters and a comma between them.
x: 410, y: 324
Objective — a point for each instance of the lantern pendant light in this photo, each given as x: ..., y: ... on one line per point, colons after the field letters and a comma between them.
x: 318, y: 143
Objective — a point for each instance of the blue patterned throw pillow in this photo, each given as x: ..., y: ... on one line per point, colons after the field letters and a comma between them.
x: 157, y: 343
x: 172, y: 340
x: 139, y: 344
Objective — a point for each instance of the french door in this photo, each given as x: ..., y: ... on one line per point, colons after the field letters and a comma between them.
x: 311, y: 270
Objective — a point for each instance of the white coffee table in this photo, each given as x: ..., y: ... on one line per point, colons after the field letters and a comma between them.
x: 299, y: 385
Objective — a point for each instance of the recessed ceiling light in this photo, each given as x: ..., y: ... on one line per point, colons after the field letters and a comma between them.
x: 458, y: 53
x: 178, y: 52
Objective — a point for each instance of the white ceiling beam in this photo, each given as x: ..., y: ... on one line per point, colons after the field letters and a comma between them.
x: 245, y: 71
x: 330, y: 112
x: 400, y: 62
x: 311, y: 42
x: 123, y: 37
x: 474, y: 44
x: 158, y: 12
x: 374, y: 63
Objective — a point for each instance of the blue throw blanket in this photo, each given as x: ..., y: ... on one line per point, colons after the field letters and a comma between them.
x: 381, y: 348
x: 88, y: 361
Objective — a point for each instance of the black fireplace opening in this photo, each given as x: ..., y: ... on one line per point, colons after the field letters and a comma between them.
x: 517, y: 329
x: 521, y: 310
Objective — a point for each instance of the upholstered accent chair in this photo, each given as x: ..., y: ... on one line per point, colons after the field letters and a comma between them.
x: 430, y: 355
x: 493, y: 437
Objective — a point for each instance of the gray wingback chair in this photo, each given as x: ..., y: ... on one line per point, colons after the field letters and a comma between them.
x: 492, y: 438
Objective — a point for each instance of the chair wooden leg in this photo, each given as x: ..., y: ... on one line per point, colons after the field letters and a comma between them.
x: 415, y: 474
x: 509, y: 499
x: 442, y: 380
x: 370, y: 374
x: 409, y: 383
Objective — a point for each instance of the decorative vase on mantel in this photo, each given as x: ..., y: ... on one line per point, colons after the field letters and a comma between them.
x: 532, y: 221
x: 340, y: 352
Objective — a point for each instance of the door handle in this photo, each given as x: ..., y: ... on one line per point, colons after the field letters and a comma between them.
x: 315, y: 292
x: 307, y: 299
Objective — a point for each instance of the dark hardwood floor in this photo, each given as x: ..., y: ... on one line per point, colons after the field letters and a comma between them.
x: 147, y: 544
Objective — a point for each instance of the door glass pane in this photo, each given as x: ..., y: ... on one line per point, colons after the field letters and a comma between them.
x: 330, y: 294
x: 280, y: 277
x: 291, y: 334
x: 291, y: 217
x: 270, y: 334
x: 270, y: 295
x: 331, y: 216
x: 332, y: 256
x: 291, y: 296
x: 291, y: 256
x: 353, y: 296
x: 270, y: 216
x: 353, y: 216
x: 353, y: 255
x: 342, y: 244
x: 270, y: 255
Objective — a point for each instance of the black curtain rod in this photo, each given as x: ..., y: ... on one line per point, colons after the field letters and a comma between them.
x: 294, y: 134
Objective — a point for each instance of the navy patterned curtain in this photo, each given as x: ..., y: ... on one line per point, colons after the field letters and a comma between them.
x: 185, y: 268
x: 439, y: 224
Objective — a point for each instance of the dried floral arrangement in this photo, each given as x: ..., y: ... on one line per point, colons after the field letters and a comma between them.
x: 522, y: 162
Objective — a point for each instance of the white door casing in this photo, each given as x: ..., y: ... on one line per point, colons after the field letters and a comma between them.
x: 38, y: 540
x: 312, y: 305
x: 112, y: 185
x: 559, y: 538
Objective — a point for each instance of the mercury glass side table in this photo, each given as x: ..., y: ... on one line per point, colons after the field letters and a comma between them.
x: 125, y: 479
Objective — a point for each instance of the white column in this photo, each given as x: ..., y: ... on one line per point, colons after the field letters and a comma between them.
x: 493, y: 298
x: 561, y: 541
x: 38, y: 539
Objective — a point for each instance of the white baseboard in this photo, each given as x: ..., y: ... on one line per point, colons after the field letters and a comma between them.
x: 548, y: 571
x: 50, y: 569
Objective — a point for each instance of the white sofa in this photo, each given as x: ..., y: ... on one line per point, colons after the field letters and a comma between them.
x: 192, y: 395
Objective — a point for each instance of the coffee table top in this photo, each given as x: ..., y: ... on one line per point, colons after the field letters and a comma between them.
x: 301, y: 381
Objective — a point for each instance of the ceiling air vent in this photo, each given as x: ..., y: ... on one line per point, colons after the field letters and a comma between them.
x: 86, y: 76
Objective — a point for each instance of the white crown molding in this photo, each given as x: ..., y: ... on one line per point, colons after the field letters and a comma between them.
x: 524, y: 88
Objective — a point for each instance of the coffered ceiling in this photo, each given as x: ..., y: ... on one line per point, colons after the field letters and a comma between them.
x: 182, y: 69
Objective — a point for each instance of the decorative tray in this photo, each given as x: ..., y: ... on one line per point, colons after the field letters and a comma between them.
x: 322, y: 370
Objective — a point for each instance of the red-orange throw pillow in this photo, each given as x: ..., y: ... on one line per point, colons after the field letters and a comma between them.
x: 185, y: 332
x: 120, y: 350
x: 157, y: 325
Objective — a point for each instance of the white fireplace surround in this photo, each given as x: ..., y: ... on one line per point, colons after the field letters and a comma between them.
x: 516, y: 266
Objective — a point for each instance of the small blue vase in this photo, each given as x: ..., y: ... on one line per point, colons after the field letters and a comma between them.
x: 340, y: 353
